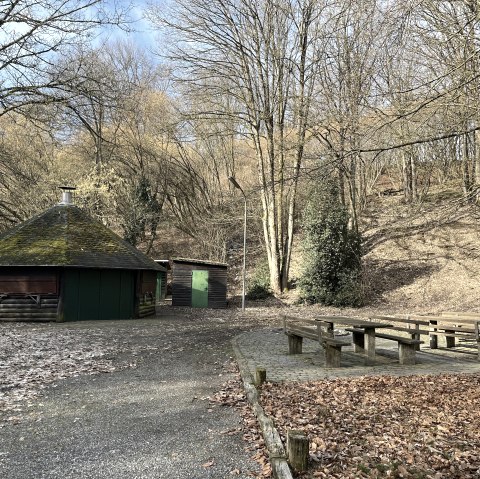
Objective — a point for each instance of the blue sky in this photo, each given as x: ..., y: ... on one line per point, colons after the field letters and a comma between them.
x: 141, y: 32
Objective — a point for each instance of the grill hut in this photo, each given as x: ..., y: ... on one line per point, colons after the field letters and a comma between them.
x: 63, y: 265
x: 199, y: 284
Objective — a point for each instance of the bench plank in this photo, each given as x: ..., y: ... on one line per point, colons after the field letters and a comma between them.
x: 395, y: 319
x: 399, y: 339
x: 406, y: 346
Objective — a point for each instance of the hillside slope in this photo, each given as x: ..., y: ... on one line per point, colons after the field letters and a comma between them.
x: 422, y: 258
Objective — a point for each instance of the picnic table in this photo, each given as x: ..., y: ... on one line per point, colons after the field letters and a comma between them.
x: 363, y: 332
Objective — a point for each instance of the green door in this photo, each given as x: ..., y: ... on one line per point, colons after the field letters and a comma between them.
x: 199, y: 289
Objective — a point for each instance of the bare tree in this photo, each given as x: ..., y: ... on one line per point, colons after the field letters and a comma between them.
x: 34, y: 34
x: 264, y: 57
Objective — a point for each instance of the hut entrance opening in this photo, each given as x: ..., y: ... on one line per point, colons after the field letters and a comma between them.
x: 199, y: 289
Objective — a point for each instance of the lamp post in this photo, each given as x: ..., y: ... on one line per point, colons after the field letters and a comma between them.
x: 233, y: 181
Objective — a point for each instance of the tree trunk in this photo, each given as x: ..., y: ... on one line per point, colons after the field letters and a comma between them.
x: 477, y: 164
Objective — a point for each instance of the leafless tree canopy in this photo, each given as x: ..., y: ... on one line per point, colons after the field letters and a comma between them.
x: 381, y: 95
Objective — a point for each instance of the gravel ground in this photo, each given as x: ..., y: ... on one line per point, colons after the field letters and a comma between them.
x: 150, y: 421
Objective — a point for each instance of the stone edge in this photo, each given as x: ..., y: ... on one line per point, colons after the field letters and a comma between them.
x: 276, y: 450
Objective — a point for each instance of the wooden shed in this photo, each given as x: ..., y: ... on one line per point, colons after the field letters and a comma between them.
x: 199, y: 284
x: 62, y: 265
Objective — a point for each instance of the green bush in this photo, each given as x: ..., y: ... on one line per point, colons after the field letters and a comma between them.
x: 259, y: 283
x: 332, y: 252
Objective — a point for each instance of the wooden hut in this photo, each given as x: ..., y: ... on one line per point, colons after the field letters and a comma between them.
x: 62, y: 265
x: 199, y: 284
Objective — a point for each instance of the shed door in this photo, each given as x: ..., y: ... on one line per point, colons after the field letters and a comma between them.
x: 199, y: 289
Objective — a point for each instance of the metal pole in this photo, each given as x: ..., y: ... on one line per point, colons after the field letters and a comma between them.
x: 244, y: 251
x: 236, y: 185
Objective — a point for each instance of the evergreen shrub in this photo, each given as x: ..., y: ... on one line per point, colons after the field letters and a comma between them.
x: 259, y: 283
x: 331, y: 251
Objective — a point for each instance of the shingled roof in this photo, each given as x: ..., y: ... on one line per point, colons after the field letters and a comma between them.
x: 64, y: 235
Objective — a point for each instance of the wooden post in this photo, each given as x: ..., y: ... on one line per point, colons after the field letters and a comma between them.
x: 416, y: 335
x: 369, y: 338
x: 294, y: 344
x: 297, y: 450
x: 406, y: 353
x: 260, y: 376
x: 433, y: 337
x: 330, y: 330
x: 333, y: 353
x: 358, y: 341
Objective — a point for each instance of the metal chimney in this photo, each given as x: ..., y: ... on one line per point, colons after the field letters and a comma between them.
x: 67, y: 195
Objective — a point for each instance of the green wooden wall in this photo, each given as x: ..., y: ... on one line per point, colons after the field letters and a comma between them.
x: 92, y: 294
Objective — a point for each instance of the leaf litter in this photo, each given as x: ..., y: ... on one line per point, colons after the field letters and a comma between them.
x: 400, y: 427
x: 414, y: 427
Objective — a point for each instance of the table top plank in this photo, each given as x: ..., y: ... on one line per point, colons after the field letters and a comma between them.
x: 357, y: 322
x: 446, y: 319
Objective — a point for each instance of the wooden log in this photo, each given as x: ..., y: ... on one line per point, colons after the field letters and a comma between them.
x: 19, y: 304
x: 294, y: 344
x: 28, y: 314
x: 297, y: 450
x: 260, y: 376
x: 26, y: 320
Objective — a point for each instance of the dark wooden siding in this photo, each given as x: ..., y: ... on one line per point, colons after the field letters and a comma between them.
x: 149, y: 282
x: 28, y: 280
x: 217, y: 288
x: 182, y: 284
x: 146, y: 293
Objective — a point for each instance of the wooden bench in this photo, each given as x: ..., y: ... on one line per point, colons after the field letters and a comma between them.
x: 462, y: 326
x: 406, y: 346
x: 296, y: 332
x: 413, y: 327
x: 449, y: 325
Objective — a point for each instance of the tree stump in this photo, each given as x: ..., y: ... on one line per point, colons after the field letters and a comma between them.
x: 260, y: 376
x: 297, y: 450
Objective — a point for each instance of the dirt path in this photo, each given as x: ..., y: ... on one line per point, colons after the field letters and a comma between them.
x: 151, y: 421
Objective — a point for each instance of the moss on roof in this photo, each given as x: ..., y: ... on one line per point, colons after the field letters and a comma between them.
x: 66, y: 236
